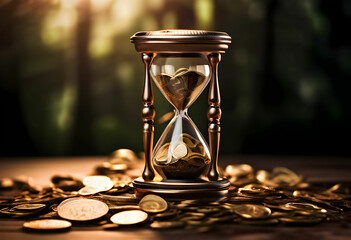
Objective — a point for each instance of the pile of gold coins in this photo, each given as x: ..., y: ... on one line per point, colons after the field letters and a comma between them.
x: 184, y: 159
x: 106, y: 200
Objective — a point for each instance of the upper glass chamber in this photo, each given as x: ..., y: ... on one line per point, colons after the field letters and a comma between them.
x: 181, y: 77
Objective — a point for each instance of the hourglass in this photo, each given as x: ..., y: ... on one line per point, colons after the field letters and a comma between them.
x: 181, y: 63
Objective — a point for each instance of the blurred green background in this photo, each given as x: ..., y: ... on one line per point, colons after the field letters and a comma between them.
x: 71, y: 81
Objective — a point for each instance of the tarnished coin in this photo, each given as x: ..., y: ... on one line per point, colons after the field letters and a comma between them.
x: 82, y: 209
x: 180, y: 151
x: 100, y: 183
x: 29, y: 206
x: 167, y: 224
x: 153, y: 204
x: 252, y: 211
x: 129, y: 217
x: 47, y: 224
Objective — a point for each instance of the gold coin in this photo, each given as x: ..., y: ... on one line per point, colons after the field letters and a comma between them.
x: 180, y: 151
x: 126, y: 156
x: 282, y: 214
x: 153, y: 204
x: 82, y: 209
x: 125, y: 198
x: 304, y: 207
x: 129, y: 217
x: 279, y: 177
x: 239, y: 170
x: 29, y: 206
x: 117, y: 167
x: 87, y: 191
x: 6, y: 183
x: 190, y: 141
x: 161, y: 155
x: 13, y: 212
x: 166, y: 117
x: 180, y: 71
x: 100, y: 183
x: 252, y: 211
x: 124, y: 207
x: 47, y: 224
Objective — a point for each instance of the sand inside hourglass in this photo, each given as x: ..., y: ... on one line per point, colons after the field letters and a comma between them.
x: 185, y: 157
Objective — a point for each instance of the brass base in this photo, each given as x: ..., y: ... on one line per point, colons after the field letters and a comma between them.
x: 183, y: 190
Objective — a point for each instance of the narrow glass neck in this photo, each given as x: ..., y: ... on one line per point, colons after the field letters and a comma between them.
x: 182, y: 112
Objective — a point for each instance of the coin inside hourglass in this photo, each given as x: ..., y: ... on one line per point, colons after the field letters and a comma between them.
x: 181, y: 88
x: 188, y: 161
x: 184, y: 155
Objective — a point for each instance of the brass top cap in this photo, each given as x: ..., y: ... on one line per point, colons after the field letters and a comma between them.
x: 181, y: 41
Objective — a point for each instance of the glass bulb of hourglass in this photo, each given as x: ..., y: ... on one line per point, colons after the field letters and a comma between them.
x: 181, y: 152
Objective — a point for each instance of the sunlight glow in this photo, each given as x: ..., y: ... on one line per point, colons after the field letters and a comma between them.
x: 57, y: 26
x: 101, y: 42
x: 204, y: 13
x: 155, y: 5
x: 63, y: 107
x: 125, y: 12
x: 100, y: 4
x: 169, y: 21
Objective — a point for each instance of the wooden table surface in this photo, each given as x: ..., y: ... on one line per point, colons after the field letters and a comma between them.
x: 317, y: 170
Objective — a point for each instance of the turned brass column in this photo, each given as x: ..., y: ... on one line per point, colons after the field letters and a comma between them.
x: 148, y: 116
x: 214, y: 113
